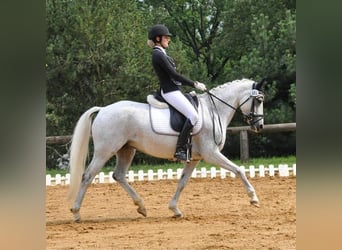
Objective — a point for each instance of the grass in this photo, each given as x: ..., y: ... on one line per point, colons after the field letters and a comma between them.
x: 173, y: 165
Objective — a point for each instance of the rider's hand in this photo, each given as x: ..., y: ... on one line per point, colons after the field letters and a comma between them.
x: 200, y: 86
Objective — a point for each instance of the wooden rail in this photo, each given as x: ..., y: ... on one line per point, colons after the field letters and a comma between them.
x: 244, y: 144
x: 281, y: 127
x: 243, y: 131
x: 51, y: 140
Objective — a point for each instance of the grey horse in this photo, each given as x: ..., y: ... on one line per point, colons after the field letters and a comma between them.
x: 121, y: 128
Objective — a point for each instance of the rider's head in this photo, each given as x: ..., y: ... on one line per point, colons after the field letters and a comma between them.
x: 159, y: 35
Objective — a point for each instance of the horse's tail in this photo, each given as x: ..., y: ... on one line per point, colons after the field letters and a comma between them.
x: 79, y: 150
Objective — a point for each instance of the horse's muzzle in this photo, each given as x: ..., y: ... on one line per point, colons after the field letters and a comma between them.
x: 257, y: 128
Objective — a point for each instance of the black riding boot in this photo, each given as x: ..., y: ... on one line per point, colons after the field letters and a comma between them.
x: 183, y: 138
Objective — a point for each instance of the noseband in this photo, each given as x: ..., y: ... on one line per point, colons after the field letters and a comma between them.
x: 250, y: 118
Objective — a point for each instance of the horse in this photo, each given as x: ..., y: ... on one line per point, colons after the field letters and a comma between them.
x: 121, y: 128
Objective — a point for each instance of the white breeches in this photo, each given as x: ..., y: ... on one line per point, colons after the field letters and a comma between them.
x: 182, y: 104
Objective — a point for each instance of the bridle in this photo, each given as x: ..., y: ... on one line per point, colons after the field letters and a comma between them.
x: 257, y: 96
x: 250, y: 118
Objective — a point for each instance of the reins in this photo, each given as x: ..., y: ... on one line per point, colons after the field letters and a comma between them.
x: 211, y: 95
x: 213, y: 118
x: 246, y: 116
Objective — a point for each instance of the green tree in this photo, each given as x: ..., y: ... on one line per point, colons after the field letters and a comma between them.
x: 96, y: 54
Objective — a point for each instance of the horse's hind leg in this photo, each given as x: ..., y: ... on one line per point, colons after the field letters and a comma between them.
x: 188, y: 168
x: 93, y: 169
x: 124, y: 159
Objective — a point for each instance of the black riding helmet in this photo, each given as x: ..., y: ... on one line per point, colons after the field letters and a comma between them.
x: 158, y: 30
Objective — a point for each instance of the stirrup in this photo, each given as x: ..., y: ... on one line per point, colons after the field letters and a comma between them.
x: 184, y: 154
x: 181, y: 155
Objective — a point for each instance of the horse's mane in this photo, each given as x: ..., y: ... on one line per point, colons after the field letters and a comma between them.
x: 228, y: 84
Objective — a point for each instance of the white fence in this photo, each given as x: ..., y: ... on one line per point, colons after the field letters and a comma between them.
x: 283, y: 170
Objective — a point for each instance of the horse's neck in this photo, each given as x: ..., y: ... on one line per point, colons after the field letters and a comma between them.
x: 230, y: 94
x: 225, y: 112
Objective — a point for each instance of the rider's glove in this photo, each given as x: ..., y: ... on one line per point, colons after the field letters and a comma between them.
x: 200, y: 86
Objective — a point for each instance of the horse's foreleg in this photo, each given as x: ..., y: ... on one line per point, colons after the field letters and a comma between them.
x: 124, y: 159
x: 220, y: 160
x: 188, y: 168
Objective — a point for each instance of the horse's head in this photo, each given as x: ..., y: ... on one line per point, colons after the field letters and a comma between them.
x: 252, y: 106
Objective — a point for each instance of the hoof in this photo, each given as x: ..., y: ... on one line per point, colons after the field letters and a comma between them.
x: 255, y: 203
x: 76, y: 213
x: 177, y: 216
x: 142, y: 211
x: 176, y: 211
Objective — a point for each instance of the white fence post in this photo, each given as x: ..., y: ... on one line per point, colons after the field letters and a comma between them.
x: 294, y: 169
x: 169, y: 174
x: 131, y: 176
x: 48, y: 180
x: 140, y: 175
x: 213, y: 172
x: 203, y: 172
x: 283, y: 170
x: 252, y: 171
x: 150, y: 174
x: 261, y: 171
x: 223, y: 173
x: 160, y: 173
x: 58, y: 179
x: 271, y: 170
x: 67, y: 179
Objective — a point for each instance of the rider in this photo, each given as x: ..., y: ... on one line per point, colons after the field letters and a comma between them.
x: 170, y: 84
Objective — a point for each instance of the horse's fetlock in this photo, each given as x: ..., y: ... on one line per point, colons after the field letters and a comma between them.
x: 86, y: 177
x: 121, y: 178
x: 118, y: 177
x: 139, y: 203
x: 74, y: 210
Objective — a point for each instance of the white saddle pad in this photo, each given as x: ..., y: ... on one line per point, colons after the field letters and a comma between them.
x: 160, y: 121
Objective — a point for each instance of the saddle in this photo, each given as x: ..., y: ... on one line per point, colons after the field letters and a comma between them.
x: 177, y: 119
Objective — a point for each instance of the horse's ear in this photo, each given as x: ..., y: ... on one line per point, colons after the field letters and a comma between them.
x: 260, y: 83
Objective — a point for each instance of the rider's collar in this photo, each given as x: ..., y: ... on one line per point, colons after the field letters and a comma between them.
x: 161, y: 48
